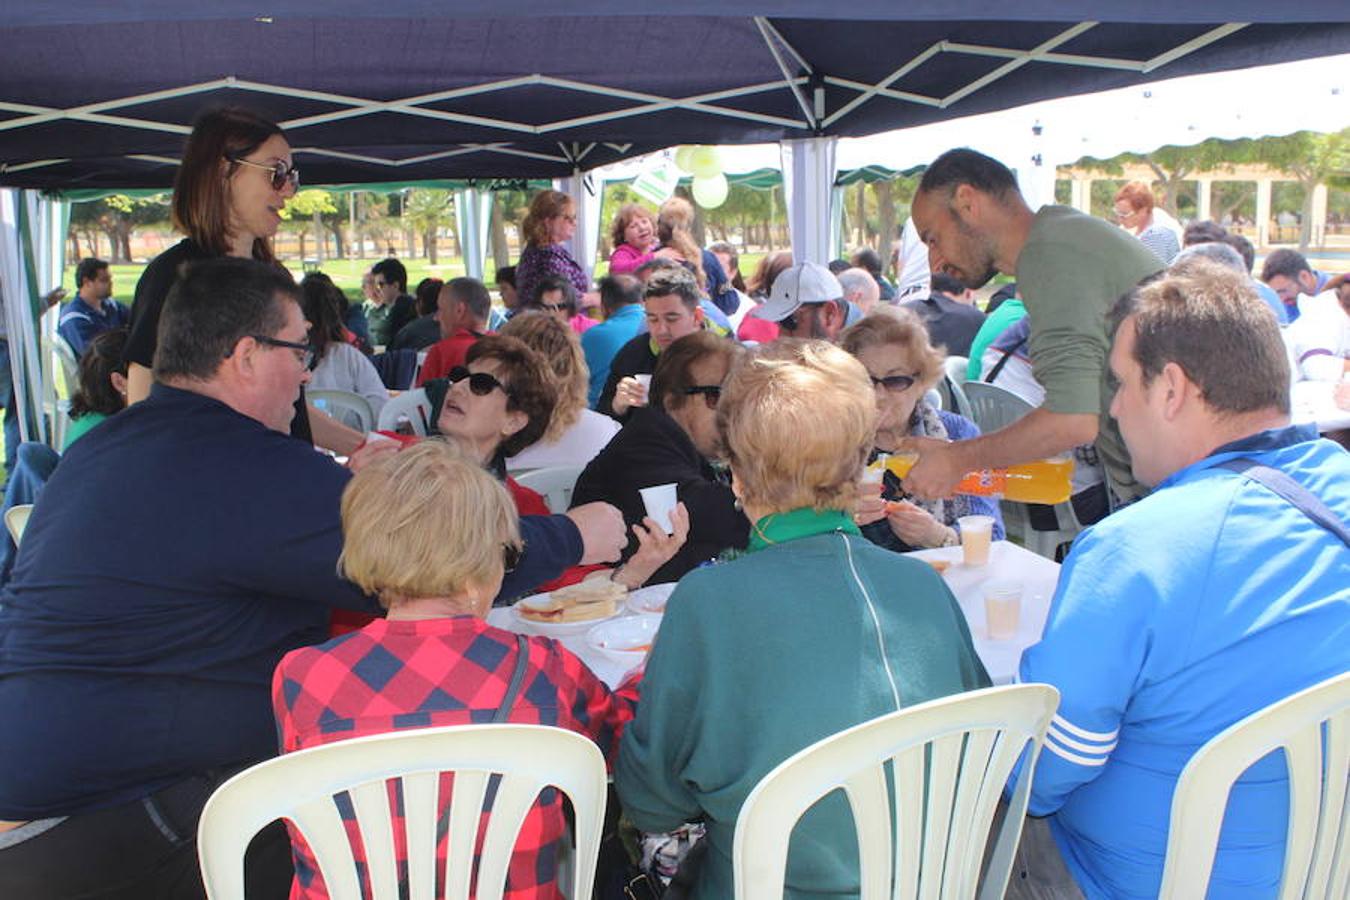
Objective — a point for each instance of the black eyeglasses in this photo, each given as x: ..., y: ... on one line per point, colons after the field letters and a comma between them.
x: 306, y: 356
x: 480, y: 383
x: 281, y: 173
x: 511, y: 554
x: 788, y: 322
x: 711, y: 393
x: 554, y: 307
x: 895, y: 383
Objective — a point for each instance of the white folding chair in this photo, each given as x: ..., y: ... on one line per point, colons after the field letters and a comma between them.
x: 68, y: 364
x: 950, y: 758
x: 16, y: 520
x: 301, y: 786
x: 411, y: 405
x: 1313, y: 729
x: 992, y: 408
x: 555, y: 483
x: 345, y: 406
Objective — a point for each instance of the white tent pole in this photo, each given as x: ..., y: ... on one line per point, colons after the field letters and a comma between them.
x: 808, y: 186
x: 585, y: 193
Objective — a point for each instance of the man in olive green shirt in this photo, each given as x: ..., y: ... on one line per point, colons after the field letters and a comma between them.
x: 1070, y: 269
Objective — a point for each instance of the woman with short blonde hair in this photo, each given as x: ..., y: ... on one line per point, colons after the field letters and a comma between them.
x: 430, y: 533
x: 575, y: 434
x: 769, y: 415
x: 813, y: 623
x: 675, y: 230
x: 901, y: 365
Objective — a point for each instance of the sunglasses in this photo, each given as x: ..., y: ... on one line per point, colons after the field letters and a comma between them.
x: 554, y: 307
x: 896, y: 383
x: 306, y: 356
x: 281, y: 173
x: 480, y: 383
x: 511, y: 554
x: 711, y: 393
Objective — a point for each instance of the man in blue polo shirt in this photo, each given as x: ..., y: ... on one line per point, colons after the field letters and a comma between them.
x: 621, y: 299
x: 1211, y: 598
x: 92, y: 311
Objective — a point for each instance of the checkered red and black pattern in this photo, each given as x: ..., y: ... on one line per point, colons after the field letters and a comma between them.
x: 390, y: 676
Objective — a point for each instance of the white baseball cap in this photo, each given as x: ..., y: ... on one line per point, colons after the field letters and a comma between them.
x: 801, y: 284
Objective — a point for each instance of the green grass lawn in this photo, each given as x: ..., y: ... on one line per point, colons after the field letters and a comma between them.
x: 346, y: 273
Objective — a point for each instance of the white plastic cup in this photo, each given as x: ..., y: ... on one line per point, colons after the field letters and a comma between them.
x: 659, y: 501
x: 1002, y: 609
x: 646, y: 382
x: 977, y: 533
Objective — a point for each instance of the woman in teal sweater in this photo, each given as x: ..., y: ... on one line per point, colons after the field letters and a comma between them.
x: 814, y: 630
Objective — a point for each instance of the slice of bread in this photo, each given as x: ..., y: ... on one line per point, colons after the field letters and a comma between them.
x: 594, y: 598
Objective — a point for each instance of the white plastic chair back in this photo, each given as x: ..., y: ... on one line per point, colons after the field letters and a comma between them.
x: 934, y: 398
x: 69, y: 365
x: 1313, y: 729
x: 955, y: 367
x: 301, y: 786
x: 411, y: 405
x: 930, y: 834
x: 555, y: 483
x: 421, y: 361
x: 348, y: 408
x: 993, y: 407
x: 16, y: 520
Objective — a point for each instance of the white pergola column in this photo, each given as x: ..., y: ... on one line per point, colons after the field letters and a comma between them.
x: 1263, y: 212
x: 1204, y: 198
x: 473, y: 212
x: 1317, y: 236
x: 1080, y: 194
x: 809, y: 169
x: 585, y: 190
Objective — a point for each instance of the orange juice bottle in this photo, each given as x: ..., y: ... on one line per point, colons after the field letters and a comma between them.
x: 1039, y: 481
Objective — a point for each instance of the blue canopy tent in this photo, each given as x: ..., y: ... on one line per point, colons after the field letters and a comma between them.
x: 98, y: 95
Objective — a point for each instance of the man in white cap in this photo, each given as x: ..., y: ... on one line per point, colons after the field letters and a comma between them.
x: 806, y: 301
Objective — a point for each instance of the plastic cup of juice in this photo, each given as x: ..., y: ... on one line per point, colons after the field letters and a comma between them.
x: 1002, y: 609
x: 977, y: 533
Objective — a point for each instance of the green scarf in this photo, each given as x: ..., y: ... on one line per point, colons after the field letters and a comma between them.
x: 778, y: 528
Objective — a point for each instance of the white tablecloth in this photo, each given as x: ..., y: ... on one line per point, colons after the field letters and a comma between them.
x: 1312, y: 402
x: 1007, y: 562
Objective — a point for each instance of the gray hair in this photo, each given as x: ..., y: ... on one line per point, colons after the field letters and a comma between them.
x: 1223, y: 254
x: 855, y: 279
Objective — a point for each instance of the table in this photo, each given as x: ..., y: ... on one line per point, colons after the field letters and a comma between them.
x: 1007, y: 562
x: 1312, y: 403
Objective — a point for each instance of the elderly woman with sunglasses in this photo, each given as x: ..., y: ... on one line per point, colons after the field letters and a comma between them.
x: 674, y: 440
x: 893, y: 347
x: 500, y: 402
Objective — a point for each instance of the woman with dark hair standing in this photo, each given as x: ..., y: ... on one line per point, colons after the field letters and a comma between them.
x: 235, y: 176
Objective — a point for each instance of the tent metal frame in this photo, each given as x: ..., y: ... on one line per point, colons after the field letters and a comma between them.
x: 799, y: 77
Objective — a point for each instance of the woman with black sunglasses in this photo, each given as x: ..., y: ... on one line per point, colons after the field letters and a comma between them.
x: 235, y: 176
x: 893, y: 347
x: 500, y: 402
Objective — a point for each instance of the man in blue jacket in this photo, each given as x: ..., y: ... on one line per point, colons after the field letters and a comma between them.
x: 1208, y: 600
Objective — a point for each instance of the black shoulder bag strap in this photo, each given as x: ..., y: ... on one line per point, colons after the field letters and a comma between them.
x: 1286, y: 487
x: 1007, y: 355
x: 517, y: 678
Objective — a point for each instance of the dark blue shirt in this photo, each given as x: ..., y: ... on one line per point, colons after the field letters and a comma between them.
x: 80, y: 323
x: 157, y: 586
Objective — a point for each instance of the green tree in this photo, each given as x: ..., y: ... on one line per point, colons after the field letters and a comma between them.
x: 305, y: 210
x: 1312, y: 159
x: 428, y: 211
x: 116, y: 216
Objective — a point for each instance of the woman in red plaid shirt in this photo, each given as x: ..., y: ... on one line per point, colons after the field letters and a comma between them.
x: 431, y: 533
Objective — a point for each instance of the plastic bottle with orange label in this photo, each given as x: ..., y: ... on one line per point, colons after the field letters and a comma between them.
x: 1039, y: 481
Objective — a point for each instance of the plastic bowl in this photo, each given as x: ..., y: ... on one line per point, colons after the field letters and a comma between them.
x: 626, y: 640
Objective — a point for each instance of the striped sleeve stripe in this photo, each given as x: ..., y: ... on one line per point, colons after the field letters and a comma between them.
x: 1053, y: 746
x: 1093, y: 749
x: 1100, y: 737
